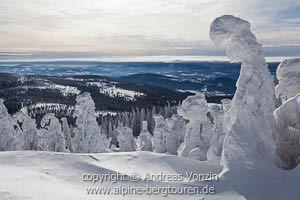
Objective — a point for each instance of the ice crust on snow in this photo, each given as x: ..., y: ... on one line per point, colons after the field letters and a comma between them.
x: 250, y: 134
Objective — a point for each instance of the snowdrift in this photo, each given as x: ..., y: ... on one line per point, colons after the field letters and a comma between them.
x: 49, y: 175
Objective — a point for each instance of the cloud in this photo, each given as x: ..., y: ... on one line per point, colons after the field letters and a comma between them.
x: 140, y: 27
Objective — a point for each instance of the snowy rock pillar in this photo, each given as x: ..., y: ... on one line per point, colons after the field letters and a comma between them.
x: 251, y: 123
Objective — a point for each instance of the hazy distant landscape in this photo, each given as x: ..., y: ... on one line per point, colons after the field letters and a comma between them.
x: 214, y: 78
x: 44, y: 87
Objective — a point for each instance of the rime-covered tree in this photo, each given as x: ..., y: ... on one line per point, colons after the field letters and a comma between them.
x: 88, y: 136
x: 28, y: 137
x: 216, y: 145
x: 287, y: 120
x: 171, y: 136
x: 179, y: 128
x: 159, y: 137
x: 288, y: 75
x: 67, y: 134
x: 145, y: 138
x: 8, y: 130
x: 125, y: 139
x: 199, y: 130
x: 51, y: 137
x: 149, y: 120
x: 251, y: 124
x: 135, y: 121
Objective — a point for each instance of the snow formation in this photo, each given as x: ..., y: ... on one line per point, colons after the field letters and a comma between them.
x: 179, y: 128
x: 67, y: 134
x: 59, y: 176
x: 8, y: 139
x: 199, y: 130
x: 216, y: 144
x: 125, y: 139
x: 159, y: 137
x: 88, y: 136
x: 251, y: 124
x: 145, y: 138
x: 172, y: 140
x: 51, y: 137
x: 288, y: 75
x: 287, y: 120
x: 28, y: 138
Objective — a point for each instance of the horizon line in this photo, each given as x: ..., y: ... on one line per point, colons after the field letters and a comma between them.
x: 141, y: 59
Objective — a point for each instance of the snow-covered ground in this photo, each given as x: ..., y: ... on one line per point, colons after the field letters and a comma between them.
x: 113, y: 91
x: 50, y: 175
x: 64, y: 90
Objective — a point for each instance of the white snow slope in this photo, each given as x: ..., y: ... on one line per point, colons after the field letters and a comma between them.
x: 32, y: 175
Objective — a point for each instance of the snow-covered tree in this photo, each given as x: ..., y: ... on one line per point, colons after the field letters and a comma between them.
x: 51, y: 137
x: 28, y: 137
x: 172, y: 136
x: 216, y: 145
x: 67, y: 134
x: 287, y: 118
x: 159, y: 137
x: 251, y: 124
x: 88, y: 136
x: 125, y: 139
x: 142, y: 118
x: 113, y: 135
x: 199, y: 130
x: 135, y: 121
x: 288, y: 75
x: 8, y: 130
x: 149, y: 120
x: 179, y: 128
x: 145, y: 138
x: 226, y: 103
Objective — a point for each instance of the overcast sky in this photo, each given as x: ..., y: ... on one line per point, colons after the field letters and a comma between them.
x: 89, y: 28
